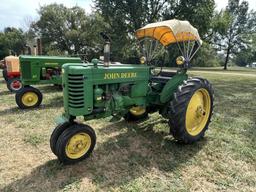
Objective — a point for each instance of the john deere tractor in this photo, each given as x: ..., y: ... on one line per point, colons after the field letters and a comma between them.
x: 39, y: 70
x: 131, y: 91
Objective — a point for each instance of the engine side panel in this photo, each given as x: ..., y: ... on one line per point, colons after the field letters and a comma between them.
x: 43, y: 69
x: 90, y: 90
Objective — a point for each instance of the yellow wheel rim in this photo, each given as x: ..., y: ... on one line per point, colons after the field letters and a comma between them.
x: 198, y: 112
x: 29, y: 99
x: 137, y: 111
x: 78, y: 145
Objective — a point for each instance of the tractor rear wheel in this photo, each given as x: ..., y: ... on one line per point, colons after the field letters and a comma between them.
x: 56, y: 133
x: 191, y: 110
x: 28, y: 97
x: 136, y: 114
x: 75, y: 143
x: 14, y: 84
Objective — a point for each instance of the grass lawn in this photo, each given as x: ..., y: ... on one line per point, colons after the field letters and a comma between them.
x: 134, y: 156
x: 247, y: 70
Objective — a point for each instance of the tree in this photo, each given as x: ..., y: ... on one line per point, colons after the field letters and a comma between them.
x: 12, y: 41
x: 68, y: 29
x: 4, y: 51
x: 199, y: 13
x: 124, y: 18
x: 248, y: 55
x: 232, y: 28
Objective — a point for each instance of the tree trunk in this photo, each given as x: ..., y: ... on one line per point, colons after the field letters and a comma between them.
x: 227, y: 59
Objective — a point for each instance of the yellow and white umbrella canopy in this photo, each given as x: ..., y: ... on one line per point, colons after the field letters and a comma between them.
x: 170, y: 31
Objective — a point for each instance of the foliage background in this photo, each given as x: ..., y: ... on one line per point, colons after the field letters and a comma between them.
x: 228, y: 34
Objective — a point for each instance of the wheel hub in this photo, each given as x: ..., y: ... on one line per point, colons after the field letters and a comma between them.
x: 29, y: 99
x: 198, y: 111
x: 16, y: 85
x: 78, y: 145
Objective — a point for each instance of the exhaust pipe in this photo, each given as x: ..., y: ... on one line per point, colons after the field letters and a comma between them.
x: 106, y: 49
x: 107, y: 54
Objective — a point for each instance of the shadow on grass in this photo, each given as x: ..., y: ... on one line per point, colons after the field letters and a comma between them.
x: 50, y: 88
x: 55, y: 102
x: 2, y: 93
x: 115, y: 162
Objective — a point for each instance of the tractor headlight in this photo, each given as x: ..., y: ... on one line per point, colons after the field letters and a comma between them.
x: 143, y: 60
x: 180, y: 60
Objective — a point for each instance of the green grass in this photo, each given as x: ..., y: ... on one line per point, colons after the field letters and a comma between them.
x: 134, y: 156
x: 229, y: 69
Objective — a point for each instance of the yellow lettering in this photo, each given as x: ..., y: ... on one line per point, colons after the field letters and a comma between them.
x: 120, y: 75
x: 117, y: 75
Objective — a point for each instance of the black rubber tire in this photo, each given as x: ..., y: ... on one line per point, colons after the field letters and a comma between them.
x: 178, y: 107
x: 130, y: 117
x: 64, y: 138
x: 56, y: 133
x: 5, y: 76
x: 10, y: 87
x: 20, y: 93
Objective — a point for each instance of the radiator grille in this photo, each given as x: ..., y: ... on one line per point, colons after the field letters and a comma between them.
x: 76, y: 91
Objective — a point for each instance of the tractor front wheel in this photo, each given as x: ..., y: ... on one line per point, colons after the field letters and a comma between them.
x: 14, y: 84
x: 28, y: 97
x: 191, y: 110
x: 136, y: 113
x: 56, y: 133
x: 75, y: 143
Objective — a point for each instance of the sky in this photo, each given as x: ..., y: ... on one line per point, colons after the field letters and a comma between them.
x: 18, y: 13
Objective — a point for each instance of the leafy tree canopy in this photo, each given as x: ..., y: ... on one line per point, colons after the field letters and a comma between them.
x: 69, y: 29
x: 125, y: 17
x: 12, y: 41
x: 232, y: 27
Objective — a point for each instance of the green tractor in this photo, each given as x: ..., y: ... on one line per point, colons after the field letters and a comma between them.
x: 131, y: 91
x: 36, y: 70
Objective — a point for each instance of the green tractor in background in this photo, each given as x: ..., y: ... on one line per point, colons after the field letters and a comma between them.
x: 39, y: 70
x: 131, y: 91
